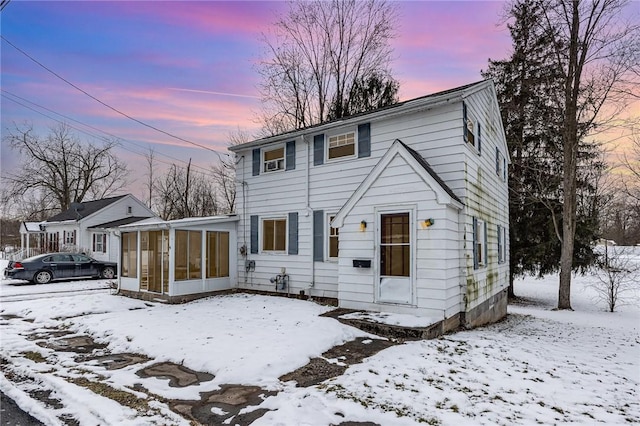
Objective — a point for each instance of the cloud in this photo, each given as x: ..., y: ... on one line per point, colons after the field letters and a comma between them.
x: 214, y: 93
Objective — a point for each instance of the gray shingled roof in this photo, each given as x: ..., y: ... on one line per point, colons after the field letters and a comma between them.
x: 116, y: 223
x: 84, y: 209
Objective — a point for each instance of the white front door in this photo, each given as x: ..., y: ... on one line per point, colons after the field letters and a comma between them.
x: 395, y: 257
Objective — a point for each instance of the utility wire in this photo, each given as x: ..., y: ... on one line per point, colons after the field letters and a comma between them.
x: 205, y: 172
x: 105, y: 104
x: 13, y: 95
x: 3, y: 4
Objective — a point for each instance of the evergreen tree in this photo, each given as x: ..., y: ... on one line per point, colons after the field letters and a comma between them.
x: 529, y: 86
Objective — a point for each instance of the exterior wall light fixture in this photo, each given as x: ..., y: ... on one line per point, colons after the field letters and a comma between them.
x: 427, y: 223
x: 363, y: 225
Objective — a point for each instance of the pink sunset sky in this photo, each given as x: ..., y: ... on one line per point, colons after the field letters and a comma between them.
x: 188, y: 68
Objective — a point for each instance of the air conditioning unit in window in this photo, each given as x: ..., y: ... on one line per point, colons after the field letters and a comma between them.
x: 271, y: 165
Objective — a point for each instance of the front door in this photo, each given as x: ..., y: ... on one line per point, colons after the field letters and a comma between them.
x: 395, y: 257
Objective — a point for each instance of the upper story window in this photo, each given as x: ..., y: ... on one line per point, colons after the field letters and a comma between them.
x: 471, y: 129
x: 343, y: 145
x: 501, y: 165
x: 273, y: 160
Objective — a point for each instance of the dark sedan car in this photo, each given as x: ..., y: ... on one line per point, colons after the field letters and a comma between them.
x: 54, y: 266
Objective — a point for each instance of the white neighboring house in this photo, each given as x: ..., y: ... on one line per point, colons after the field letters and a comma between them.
x: 402, y: 210
x: 90, y: 227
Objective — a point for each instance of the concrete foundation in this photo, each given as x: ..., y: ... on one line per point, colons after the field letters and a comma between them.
x: 491, y: 310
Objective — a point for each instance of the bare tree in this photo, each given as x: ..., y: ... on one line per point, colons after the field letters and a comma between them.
x: 597, y: 53
x: 150, y: 183
x: 182, y: 192
x: 617, y: 276
x: 318, y: 53
x: 60, y: 169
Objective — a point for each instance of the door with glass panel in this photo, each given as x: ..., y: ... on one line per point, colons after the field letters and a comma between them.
x: 154, y: 261
x: 396, y: 284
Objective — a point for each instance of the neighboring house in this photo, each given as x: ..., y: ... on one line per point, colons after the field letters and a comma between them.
x: 179, y: 259
x: 89, y: 227
x: 403, y: 209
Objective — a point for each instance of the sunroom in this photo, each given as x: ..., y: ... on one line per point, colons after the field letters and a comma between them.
x: 178, y: 260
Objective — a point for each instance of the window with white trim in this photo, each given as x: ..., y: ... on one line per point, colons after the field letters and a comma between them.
x: 69, y: 237
x: 274, y: 235
x: 273, y: 160
x: 332, y: 247
x: 500, y: 163
x: 343, y: 145
x: 471, y: 129
x: 480, y: 243
x: 100, y: 243
x: 502, y: 238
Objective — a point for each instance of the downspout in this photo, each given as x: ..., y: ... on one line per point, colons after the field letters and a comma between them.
x: 243, y: 183
x: 309, y: 211
x: 119, y: 261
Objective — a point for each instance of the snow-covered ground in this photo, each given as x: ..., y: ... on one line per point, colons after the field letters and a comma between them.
x: 537, y: 366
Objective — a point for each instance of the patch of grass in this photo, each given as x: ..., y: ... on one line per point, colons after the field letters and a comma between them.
x: 558, y: 409
x: 34, y: 356
x: 121, y: 397
x: 455, y: 408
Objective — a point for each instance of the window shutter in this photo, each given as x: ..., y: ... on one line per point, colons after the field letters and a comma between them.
x: 364, y: 140
x: 318, y: 235
x: 291, y: 155
x: 464, y: 122
x: 104, y: 243
x: 93, y: 237
x: 74, y: 237
x: 254, y: 234
x: 499, y: 244
x: 475, y: 243
x: 318, y: 149
x: 485, y: 248
x: 504, y: 167
x: 64, y: 237
x: 479, y: 138
x: 497, y: 161
x: 293, y: 233
x: 256, y: 162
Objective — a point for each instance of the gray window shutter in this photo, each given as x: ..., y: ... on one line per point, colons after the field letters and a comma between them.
x: 318, y: 235
x: 364, y: 140
x: 291, y: 155
x: 464, y: 122
x: 485, y: 248
x: 475, y: 243
x: 318, y: 149
x: 499, y: 244
x: 497, y: 161
x: 256, y: 162
x: 254, y: 234
x: 479, y: 138
x: 293, y: 233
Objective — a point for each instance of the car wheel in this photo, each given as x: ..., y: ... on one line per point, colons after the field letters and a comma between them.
x: 108, y: 272
x: 42, y: 277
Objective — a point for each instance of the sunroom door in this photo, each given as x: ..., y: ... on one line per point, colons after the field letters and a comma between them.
x: 395, y: 257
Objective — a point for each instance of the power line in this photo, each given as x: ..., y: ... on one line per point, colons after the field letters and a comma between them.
x: 3, y: 4
x: 6, y: 92
x: 105, y: 104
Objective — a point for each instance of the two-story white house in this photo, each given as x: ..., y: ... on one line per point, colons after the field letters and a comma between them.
x: 403, y: 209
